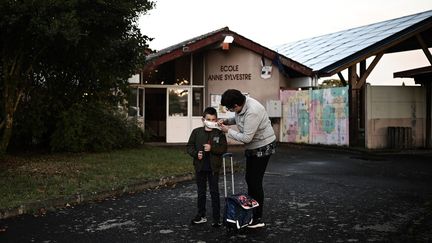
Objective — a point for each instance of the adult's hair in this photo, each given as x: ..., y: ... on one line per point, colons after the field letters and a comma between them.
x: 210, y: 110
x: 232, y: 97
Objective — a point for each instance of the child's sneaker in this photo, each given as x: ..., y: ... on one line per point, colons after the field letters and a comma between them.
x: 199, y: 220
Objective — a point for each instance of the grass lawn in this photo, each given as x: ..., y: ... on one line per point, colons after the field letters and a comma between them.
x: 29, y: 178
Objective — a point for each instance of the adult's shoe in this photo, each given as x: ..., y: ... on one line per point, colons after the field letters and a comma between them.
x: 256, y: 223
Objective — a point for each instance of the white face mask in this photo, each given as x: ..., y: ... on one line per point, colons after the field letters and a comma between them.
x: 211, y: 125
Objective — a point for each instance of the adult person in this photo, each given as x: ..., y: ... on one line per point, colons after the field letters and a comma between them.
x: 256, y: 132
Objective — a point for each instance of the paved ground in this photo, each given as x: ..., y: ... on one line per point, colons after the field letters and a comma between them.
x: 312, y: 195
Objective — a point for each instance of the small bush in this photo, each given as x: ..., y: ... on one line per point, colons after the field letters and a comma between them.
x: 94, y: 127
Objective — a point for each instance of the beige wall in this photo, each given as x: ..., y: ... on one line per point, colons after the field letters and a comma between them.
x: 246, y: 63
x: 394, y: 106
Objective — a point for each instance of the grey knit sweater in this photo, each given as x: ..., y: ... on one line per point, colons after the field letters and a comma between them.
x: 255, y: 129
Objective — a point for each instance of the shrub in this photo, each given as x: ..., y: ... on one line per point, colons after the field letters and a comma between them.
x: 94, y: 127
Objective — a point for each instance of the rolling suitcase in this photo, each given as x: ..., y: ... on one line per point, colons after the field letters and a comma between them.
x: 238, y: 211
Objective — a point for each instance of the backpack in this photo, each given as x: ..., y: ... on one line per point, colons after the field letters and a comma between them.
x: 239, y: 210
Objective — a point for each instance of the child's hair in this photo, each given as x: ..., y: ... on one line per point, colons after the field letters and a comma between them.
x: 210, y: 111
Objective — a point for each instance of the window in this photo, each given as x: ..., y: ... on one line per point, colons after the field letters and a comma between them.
x: 178, y: 102
x: 182, y: 70
x: 132, y: 102
x: 197, y: 101
x: 174, y: 72
x: 198, y: 69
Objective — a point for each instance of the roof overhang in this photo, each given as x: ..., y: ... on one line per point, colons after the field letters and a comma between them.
x: 214, y: 40
x: 420, y: 75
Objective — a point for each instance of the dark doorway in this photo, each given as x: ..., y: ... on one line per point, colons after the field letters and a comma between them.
x: 155, y: 114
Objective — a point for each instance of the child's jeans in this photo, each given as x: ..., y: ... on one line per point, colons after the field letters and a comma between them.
x: 202, y: 177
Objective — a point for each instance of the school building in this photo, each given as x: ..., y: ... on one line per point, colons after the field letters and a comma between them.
x: 178, y: 82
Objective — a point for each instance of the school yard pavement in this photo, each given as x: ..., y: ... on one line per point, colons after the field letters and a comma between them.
x: 312, y: 195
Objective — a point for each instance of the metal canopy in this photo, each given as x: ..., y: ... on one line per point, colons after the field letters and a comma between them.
x: 331, y: 53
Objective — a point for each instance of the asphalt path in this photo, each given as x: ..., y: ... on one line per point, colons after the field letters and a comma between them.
x: 311, y: 195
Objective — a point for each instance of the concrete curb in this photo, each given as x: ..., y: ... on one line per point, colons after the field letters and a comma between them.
x: 41, y: 207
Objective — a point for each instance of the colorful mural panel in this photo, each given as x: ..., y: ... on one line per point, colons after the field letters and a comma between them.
x: 315, y: 116
x: 295, y: 116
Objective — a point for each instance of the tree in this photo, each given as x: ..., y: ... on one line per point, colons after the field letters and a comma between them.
x: 331, y: 83
x: 87, y: 49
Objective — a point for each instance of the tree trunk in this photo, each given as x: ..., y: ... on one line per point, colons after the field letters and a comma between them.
x: 12, y: 93
x: 7, y: 133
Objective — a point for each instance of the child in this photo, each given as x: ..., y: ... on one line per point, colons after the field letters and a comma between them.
x: 206, y: 145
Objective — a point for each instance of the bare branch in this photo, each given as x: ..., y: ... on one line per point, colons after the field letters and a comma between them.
x: 20, y: 94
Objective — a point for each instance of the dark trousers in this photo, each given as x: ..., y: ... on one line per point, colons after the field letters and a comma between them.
x: 255, y: 169
x: 202, y: 177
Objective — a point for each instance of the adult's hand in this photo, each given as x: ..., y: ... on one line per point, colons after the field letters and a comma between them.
x: 224, y: 128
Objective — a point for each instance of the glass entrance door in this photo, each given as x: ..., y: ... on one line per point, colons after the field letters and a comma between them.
x: 178, y: 120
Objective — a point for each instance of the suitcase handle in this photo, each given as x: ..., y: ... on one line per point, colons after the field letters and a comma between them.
x: 227, y: 155
x: 224, y: 156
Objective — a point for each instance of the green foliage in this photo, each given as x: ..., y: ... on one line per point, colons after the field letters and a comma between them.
x: 331, y: 83
x: 94, y: 127
x: 68, y: 52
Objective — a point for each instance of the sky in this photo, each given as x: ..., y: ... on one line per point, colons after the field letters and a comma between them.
x: 274, y: 22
